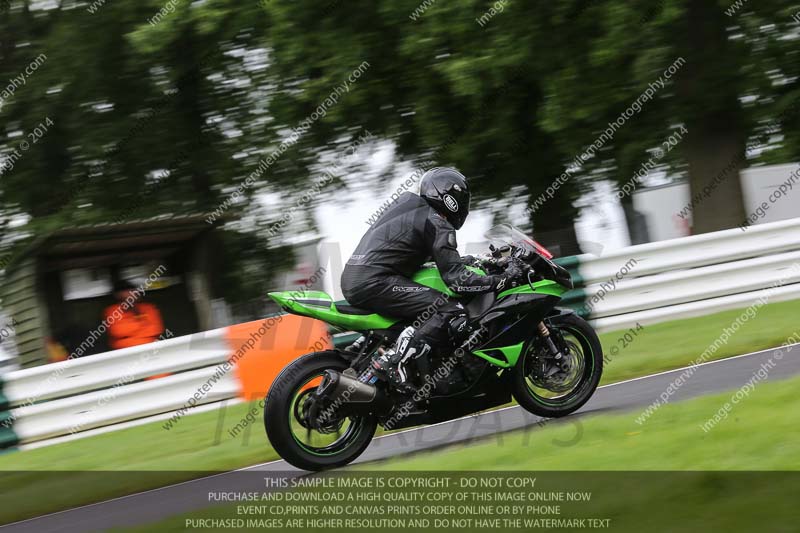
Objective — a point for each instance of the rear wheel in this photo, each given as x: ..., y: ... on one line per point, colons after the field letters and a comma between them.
x: 548, y: 391
x: 334, y: 444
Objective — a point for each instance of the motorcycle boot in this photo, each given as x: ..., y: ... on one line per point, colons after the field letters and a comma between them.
x: 391, y: 366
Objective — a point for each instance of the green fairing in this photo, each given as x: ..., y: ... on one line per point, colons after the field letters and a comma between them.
x: 430, y: 277
x: 546, y: 286
x: 307, y: 303
x: 299, y: 302
x: 511, y: 354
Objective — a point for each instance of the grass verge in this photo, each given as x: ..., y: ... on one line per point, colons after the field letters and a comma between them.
x: 669, y: 475
x: 32, y: 483
x: 677, y: 343
x: 758, y: 435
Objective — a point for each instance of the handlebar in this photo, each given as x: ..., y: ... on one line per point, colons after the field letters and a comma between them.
x: 503, y: 263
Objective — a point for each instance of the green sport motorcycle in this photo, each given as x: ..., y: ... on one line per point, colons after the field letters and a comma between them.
x: 323, y: 409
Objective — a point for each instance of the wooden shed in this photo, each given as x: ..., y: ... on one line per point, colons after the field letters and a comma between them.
x: 58, y: 286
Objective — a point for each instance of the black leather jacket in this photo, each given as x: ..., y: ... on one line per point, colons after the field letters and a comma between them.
x: 407, y: 235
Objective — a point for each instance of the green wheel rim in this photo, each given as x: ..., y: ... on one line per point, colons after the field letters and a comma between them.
x: 588, y: 357
x: 330, y: 443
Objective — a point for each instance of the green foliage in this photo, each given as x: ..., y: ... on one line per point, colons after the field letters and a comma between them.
x: 514, y: 98
x: 128, y: 101
x: 441, y: 87
x: 147, y: 118
x: 207, y: 90
x: 242, y: 265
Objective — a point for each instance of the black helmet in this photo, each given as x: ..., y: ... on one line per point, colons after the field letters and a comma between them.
x: 446, y: 190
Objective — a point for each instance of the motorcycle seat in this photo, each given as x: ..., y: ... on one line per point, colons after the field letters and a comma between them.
x: 352, y: 310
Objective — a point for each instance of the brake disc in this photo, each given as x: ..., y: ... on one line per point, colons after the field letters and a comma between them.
x: 307, y: 408
x: 560, y: 380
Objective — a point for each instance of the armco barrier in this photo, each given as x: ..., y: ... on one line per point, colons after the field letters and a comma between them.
x: 59, y: 380
x: 688, y: 277
x: 108, y: 406
x: 698, y: 250
x: 698, y: 284
x: 8, y: 437
x: 667, y: 280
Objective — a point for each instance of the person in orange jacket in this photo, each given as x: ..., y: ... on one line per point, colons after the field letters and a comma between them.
x: 131, y: 322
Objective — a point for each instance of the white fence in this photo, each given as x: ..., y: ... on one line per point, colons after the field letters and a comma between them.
x: 672, y: 279
x: 81, y: 394
x: 692, y: 276
x: 698, y: 250
x: 74, y: 376
x: 119, y: 404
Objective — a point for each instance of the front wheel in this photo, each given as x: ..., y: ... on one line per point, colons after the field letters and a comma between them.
x: 337, y: 443
x: 555, y: 392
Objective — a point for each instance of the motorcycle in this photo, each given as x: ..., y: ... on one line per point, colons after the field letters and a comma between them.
x: 323, y: 409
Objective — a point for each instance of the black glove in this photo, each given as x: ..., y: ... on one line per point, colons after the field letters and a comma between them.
x: 514, y: 272
x: 511, y: 277
x: 467, y: 260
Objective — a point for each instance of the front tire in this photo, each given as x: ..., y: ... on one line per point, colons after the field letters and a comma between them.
x: 532, y: 394
x: 281, y: 419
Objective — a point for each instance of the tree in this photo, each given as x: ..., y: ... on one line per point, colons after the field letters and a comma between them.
x: 142, y: 118
x: 157, y: 112
x: 725, y: 96
x: 515, y: 95
x: 131, y: 104
x: 443, y: 89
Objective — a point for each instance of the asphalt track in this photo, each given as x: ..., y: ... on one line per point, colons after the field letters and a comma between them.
x: 158, y: 504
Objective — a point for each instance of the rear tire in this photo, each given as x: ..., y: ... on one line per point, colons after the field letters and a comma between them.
x: 279, y: 415
x: 577, y: 327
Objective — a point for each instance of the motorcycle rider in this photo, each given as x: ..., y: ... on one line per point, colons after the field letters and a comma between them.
x: 414, y: 229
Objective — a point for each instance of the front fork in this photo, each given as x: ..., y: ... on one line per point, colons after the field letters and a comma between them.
x: 555, y: 352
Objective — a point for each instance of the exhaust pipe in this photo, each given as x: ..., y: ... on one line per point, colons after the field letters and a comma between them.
x: 342, y: 390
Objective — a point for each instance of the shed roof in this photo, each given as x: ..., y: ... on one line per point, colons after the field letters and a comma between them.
x: 109, y: 243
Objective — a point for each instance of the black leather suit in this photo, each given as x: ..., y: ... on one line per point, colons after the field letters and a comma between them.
x: 378, y: 275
